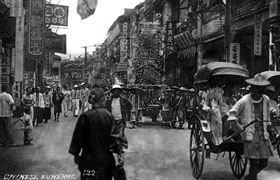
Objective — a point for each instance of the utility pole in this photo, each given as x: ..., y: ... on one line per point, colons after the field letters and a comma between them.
x: 86, y: 59
x: 85, y: 63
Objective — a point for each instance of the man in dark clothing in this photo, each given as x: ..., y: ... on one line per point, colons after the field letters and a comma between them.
x: 120, y: 109
x: 57, y: 99
x: 96, y: 138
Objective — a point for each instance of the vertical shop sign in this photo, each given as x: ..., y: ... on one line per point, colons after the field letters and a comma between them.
x: 124, y: 43
x: 36, y: 22
x: 258, y: 35
x: 169, y: 38
x: 234, y: 53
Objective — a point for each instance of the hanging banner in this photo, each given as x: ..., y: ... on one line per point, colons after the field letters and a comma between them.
x: 258, y: 35
x: 234, y: 53
x: 56, y: 15
x: 86, y: 8
x: 36, y: 22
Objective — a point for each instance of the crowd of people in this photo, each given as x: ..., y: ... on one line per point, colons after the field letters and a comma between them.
x: 37, y: 106
x: 100, y: 129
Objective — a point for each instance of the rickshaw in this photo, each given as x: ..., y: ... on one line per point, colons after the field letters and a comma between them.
x: 274, y: 78
x: 225, y: 74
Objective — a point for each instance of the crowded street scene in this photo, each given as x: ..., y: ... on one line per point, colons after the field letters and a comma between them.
x: 139, y: 90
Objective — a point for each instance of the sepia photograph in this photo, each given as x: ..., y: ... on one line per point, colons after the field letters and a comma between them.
x: 139, y: 89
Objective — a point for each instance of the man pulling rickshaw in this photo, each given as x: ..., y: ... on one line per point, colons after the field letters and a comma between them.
x: 254, y: 106
x: 245, y: 124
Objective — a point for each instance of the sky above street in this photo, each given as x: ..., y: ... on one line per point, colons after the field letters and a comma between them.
x: 93, y: 30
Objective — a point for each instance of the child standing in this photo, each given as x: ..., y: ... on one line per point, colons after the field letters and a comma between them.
x: 27, y: 126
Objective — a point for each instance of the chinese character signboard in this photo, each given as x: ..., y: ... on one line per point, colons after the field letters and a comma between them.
x: 56, y: 43
x: 234, y: 53
x: 124, y: 43
x: 258, y: 35
x: 169, y: 37
x: 56, y: 15
x: 36, y: 27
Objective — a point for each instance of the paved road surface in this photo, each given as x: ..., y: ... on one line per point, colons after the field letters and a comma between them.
x: 154, y: 154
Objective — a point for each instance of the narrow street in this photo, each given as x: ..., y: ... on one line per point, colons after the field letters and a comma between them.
x: 154, y: 153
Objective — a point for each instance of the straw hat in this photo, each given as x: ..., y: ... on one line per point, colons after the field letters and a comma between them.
x: 116, y: 86
x: 75, y: 86
x: 258, y: 80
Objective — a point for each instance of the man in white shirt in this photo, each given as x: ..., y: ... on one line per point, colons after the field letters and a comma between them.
x: 38, y: 107
x: 84, y: 97
x: 65, y: 102
x: 120, y: 109
x: 6, y: 102
x: 75, y: 96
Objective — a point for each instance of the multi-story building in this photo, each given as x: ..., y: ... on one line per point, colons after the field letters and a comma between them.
x: 7, y: 46
x: 236, y: 31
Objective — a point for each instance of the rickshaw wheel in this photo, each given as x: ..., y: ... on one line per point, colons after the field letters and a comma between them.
x: 197, y: 148
x: 238, y: 164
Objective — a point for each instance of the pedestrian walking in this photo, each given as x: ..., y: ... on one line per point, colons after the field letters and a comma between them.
x: 6, y: 102
x: 254, y: 106
x: 96, y: 138
x: 38, y: 107
x: 120, y: 109
x: 57, y: 99
x: 84, y: 97
x: 48, y: 105
x: 75, y: 96
x: 28, y: 102
x: 66, y: 101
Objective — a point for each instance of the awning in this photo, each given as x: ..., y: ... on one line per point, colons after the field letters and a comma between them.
x: 183, y: 40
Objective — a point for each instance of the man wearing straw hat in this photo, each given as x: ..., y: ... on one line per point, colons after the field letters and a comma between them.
x: 254, y: 106
x: 120, y: 109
